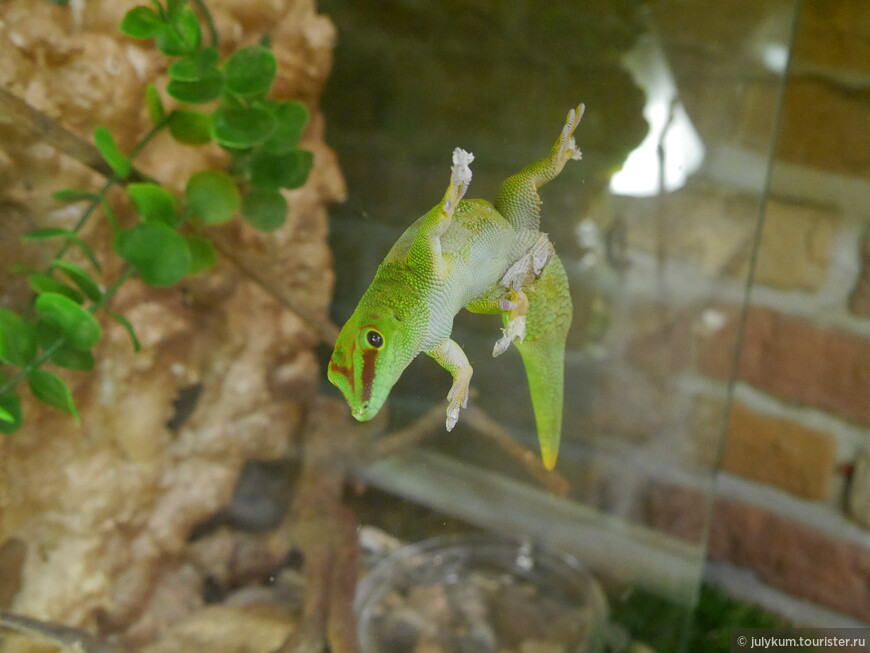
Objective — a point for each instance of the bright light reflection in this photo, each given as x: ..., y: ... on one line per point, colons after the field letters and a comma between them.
x: 669, y: 126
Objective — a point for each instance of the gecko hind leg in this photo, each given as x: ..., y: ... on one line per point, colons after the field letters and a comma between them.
x: 517, y: 199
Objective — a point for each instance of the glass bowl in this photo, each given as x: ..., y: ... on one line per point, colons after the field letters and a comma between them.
x: 480, y: 594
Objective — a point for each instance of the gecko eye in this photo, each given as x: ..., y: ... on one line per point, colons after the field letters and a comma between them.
x: 375, y: 339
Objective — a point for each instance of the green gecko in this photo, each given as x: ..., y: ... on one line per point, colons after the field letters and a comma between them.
x: 487, y: 258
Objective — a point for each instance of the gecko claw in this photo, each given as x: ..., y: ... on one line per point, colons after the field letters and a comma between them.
x: 457, y: 398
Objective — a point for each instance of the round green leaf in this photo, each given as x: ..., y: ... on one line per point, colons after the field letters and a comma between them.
x: 199, y: 91
x: 158, y: 253
x: 153, y: 202
x: 191, y: 127
x: 274, y: 171
x: 49, y: 388
x: 11, y: 407
x: 290, y: 120
x: 17, y: 339
x: 195, y: 67
x: 203, y: 256
x: 142, y: 23
x: 242, y: 127
x: 78, y: 325
x: 73, y: 359
x: 213, y: 196
x: 265, y: 210
x: 182, y: 37
x: 250, y: 71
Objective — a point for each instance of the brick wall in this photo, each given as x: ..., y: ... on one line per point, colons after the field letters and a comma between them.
x: 794, y: 491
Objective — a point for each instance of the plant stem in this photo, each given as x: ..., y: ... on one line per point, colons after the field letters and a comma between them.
x: 33, y: 122
x: 209, y: 22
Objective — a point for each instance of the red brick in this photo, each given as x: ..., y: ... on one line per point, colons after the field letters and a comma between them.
x: 825, y: 127
x: 860, y: 300
x: 793, y: 557
x: 785, y: 554
x: 778, y: 452
x: 795, y: 360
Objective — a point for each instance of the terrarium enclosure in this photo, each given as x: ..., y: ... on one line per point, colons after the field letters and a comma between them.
x: 209, y: 495
x: 657, y: 227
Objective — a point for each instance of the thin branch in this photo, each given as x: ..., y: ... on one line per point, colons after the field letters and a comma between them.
x: 33, y: 122
x: 483, y: 425
x: 486, y: 426
x: 326, y: 331
x: 69, y: 639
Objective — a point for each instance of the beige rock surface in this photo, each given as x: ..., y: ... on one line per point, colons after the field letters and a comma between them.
x: 104, y: 510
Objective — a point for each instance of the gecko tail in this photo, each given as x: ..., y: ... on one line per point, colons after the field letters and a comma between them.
x: 543, y: 353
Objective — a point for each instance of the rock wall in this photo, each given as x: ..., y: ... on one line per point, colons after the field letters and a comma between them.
x: 95, y: 519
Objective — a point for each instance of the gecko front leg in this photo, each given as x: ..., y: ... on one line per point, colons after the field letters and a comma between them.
x: 450, y: 356
x: 426, y: 250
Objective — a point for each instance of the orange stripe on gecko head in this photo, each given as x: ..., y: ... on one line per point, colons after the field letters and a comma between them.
x: 345, y: 370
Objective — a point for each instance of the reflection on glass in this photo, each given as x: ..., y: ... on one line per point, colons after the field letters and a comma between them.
x: 672, y: 150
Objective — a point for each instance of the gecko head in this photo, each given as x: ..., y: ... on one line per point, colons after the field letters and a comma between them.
x: 369, y: 357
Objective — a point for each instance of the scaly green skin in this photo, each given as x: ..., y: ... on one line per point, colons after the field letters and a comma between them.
x: 457, y: 255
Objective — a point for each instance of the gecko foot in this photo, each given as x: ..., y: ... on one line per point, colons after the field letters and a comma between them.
x: 460, y: 178
x: 516, y: 330
x: 458, y: 396
x: 516, y: 327
x: 529, y: 264
x: 567, y: 145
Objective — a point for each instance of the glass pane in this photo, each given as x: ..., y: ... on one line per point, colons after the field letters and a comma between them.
x: 656, y: 227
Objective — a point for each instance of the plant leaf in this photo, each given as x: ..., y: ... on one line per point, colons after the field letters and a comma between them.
x: 265, y: 210
x: 109, y: 150
x: 79, y: 326
x: 80, y: 278
x: 213, y: 196
x: 11, y: 407
x: 183, y: 35
x: 73, y: 195
x: 191, y: 127
x: 250, y: 71
x: 158, y: 253
x: 43, y: 283
x: 242, y: 127
x: 17, y: 339
x: 142, y: 23
x: 155, y: 105
x: 199, y: 91
x: 45, y: 234
x: 124, y: 322
x: 195, y: 67
x: 274, y: 171
x: 49, y: 388
x: 203, y: 256
x: 290, y: 121
x: 73, y: 359
x: 153, y: 202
